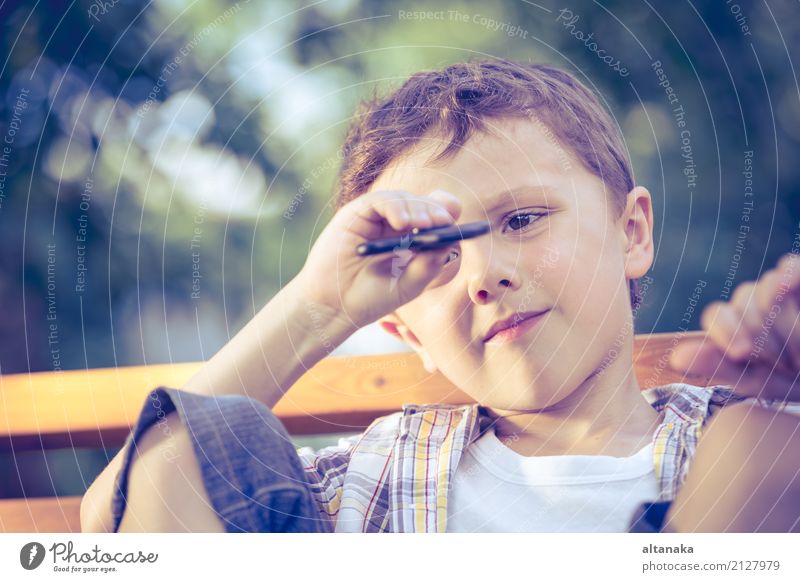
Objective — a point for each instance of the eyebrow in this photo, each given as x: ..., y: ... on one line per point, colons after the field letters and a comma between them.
x: 503, y: 196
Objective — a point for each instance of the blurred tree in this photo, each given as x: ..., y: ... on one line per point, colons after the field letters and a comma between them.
x: 159, y: 146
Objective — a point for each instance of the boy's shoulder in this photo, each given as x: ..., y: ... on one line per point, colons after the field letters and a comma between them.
x: 680, y: 402
x: 690, y: 402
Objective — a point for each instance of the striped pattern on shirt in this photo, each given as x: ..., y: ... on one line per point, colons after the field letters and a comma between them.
x: 396, y: 475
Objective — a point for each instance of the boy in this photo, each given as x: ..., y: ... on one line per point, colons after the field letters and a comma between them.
x: 534, y: 321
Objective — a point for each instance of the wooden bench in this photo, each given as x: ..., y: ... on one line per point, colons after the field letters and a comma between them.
x: 97, y: 408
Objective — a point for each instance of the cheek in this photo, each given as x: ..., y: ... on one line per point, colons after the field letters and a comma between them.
x: 431, y: 318
x: 547, y: 267
x: 585, y: 270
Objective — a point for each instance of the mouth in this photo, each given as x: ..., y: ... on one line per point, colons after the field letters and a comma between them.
x: 516, y: 328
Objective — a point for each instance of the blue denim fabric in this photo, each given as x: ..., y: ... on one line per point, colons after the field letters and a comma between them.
x: 649, y: 517
x: 249, y: 465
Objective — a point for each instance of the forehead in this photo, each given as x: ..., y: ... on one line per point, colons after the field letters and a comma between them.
x: 517, y: 152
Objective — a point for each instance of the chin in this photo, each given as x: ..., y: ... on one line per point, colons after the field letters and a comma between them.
x: 526, y: 403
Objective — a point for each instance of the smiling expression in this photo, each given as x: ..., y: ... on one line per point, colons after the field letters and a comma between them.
x: 557, y: 245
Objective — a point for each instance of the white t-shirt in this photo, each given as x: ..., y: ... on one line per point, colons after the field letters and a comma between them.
x: 495, y: 489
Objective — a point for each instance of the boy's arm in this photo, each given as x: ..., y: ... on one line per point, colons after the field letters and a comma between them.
x: 752, y: 342
x: 166, y: 497
x: 280, y: 344
x: 335, y: 293
x: 285, y: 339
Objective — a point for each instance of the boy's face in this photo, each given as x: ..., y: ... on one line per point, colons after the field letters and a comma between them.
x: 565, y: 252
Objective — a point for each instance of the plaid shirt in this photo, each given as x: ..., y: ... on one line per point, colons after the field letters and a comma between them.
x: 396, y: 475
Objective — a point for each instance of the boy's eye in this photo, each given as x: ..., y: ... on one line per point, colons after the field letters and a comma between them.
x: 523, y: 220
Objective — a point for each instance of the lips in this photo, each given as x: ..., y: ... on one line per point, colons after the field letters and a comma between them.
x: 510, y: 322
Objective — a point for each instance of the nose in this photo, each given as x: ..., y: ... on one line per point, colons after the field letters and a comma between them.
x: 490, y: 273
x: 483, y: 296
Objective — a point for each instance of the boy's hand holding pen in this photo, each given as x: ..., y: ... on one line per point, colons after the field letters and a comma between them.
x: 381, y: 251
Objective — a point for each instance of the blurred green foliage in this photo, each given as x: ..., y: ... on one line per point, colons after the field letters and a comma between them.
x: 158, y: 146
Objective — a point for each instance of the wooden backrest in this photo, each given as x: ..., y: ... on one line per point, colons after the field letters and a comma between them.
x: 340, y: 394
x: 96, y: 408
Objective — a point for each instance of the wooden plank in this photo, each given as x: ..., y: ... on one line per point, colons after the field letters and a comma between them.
x: 651, y: 353
x: 96, y: 408
x: 40, y: 515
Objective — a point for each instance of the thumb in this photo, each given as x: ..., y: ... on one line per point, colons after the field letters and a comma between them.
x: 419, y: 271
x: 706, y: 361
x: 684, y: 357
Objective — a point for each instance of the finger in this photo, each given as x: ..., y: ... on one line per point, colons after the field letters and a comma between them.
x: 789, y: 269
x: 777, y: 316
x: 708, y: 363
x: 703, y: 358
x: 724, y: 328
x: 754, y: 306
x: 421, y: 212
x: 400, y: 210
x: 420, y: 215
x: 379, y: 208
x: 788, y: 326
x: 683, y: 356
x: 419, y: 269
x: 761, y: 381
x: 446, y: 201
x: 749, y: 305
x: 401, y: 202
x: 426, y: 213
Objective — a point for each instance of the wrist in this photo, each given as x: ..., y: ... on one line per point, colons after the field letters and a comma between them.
x: 325, y: 326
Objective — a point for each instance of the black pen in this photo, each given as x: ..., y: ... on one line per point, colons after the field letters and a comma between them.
x: 424, y: 239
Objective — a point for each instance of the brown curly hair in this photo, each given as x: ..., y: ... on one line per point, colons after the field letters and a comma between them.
x: 455, y: 101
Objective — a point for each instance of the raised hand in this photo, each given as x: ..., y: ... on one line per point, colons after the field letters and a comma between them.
x: 752, y: 342
x: 362, y: 289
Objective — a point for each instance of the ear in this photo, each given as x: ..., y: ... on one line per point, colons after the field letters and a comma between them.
x: 637, y: 225
x: 393, y: 325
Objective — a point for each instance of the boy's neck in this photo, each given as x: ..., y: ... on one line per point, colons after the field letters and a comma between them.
x: 605, y: 415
